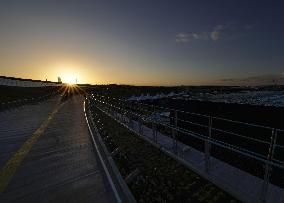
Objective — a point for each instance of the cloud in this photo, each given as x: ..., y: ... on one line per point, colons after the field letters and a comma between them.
x: 216, y: 34
x: 182, y: 38
x: 187, y: 37
x: 219, y: 32
x: 200, y: 36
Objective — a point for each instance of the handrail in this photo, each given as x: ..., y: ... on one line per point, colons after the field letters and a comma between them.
x: 193, y: 123
x: 198, y: 114
x: 241, y: 122
x: 239, y: 135
x: 232, y: 133
x: 243, y: 151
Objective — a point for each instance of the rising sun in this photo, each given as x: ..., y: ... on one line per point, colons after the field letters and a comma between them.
x: 69, y: 79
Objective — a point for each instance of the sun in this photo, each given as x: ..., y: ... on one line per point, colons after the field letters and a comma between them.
x: 69, y: 79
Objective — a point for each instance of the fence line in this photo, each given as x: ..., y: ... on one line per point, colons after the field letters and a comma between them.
x: 243, y: 151
x: 193, y: 113
x: 130, y: 111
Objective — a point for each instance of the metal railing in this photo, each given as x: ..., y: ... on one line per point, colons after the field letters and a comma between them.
x: 144, y: 113
x: 210, y: 124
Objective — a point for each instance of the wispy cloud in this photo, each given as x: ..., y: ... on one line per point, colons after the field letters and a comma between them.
x: 217, y: 33
x: 182, y: 38
x: 200, y: 36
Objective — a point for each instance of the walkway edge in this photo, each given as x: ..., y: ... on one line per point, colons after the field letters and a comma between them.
x: 120, y: 189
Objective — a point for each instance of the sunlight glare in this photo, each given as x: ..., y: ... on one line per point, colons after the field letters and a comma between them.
x: 69, y: 79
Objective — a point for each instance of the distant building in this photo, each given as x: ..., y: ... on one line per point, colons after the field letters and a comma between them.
x: 59, y: 80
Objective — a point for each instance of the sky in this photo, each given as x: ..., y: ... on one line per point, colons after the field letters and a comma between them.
x: 142, y: 42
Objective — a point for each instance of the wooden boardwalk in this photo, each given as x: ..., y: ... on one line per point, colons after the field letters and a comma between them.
x: 61, y: 165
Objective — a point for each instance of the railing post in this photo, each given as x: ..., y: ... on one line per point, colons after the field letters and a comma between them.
x: 208, y: 146
x: 111, y: 110
x: 138, y: 108
x: 154, y: 132
x: 140, y: 126
x: 174, y: 139
x: 117, y: 114
x: 121, y: 116
x: 156, y: 135
x: 267, y: 166
x: 176, y: 125
x: 153, y: 125
x: 131, y: 121
x: 127, y: 119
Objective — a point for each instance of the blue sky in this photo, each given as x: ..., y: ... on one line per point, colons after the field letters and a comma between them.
x: 142, y: 42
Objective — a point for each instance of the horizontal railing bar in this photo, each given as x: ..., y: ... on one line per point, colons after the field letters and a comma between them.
x: 214, y: 141
x: 241, y: 122
x: 204, y: 138
x: 242, y: 151
x: 279, y: 146
x: 239, y: 135
x: 201, y: 125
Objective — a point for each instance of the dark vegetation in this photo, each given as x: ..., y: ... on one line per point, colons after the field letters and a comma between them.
x: 9, y: 93
x: 160, y: 179
x: 12, y: 97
